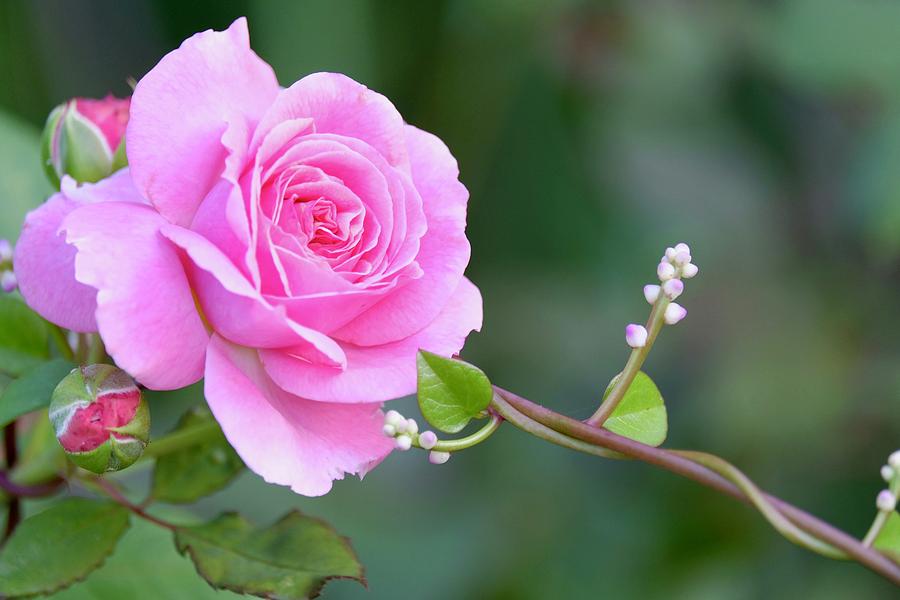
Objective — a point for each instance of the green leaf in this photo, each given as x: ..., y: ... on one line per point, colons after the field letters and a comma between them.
x: 60, y: 546
x: 145, y: 560
x: 292, y: 558
x: 451, y: 392
x: 641, y: 415
x: 23, y: 337
x: 41, y: 454
x: 888, y: 540
x: 199, y: 470
x: 32, y: 390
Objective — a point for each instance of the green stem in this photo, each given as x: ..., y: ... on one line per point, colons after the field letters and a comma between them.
x: 528, y: 425
x: 882, y: 516
x: 184, y: 438
x: 61, y: 341
x: 681, y: 465
x: 781, y: 524
x: 635, y: 360
x: 109, y: 489
x: 470, y: 440
x: 880, y: 519
x: 96, y: 351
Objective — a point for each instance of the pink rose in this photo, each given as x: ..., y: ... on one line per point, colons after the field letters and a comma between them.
x: 295, y: 247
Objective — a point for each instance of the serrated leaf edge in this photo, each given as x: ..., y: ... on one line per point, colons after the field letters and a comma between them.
x: 314, y: 592
x: 87, y: 573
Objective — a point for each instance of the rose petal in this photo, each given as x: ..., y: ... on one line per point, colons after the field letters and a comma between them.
x: 337, y: 104
x: 179, y: 113
x: 145, y: 311
x: 45, y: 269
x: 443, y: 254
x: 379, y: 373
x: 285, y: 439
x: 45, y: 264
x: 238, y: 312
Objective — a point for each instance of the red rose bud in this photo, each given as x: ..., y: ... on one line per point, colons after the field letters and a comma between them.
x: 101, y: 419
x: 85, y: 139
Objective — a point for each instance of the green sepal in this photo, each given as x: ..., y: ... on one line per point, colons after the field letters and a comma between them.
x: 120, y: 158
x: 52, y: 161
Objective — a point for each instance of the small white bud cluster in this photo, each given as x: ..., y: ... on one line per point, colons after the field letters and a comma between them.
x: 892, y: 468
x: 8, y: 281
x: 887, y: 500
x: 406, y: 434
x: 674, y: 267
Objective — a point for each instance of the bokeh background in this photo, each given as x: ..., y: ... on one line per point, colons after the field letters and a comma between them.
x: 590, y: 135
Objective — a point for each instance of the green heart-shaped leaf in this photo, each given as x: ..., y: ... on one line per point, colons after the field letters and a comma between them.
x: 451, y: 392
x: 888, y: 540
x: 641, y: 415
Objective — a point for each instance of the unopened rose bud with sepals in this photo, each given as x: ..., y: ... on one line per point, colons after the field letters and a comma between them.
x: 100, y: 417
x: 85, y: 139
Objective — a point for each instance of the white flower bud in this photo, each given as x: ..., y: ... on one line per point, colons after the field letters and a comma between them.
x: 670, y: 254
x: 674, y: 313
x: 635, y: 335
x: 651, y: 293
x: 665, y: 271
x: 403, y: 442
x: 412, y: 427
x: 438, y: 458
x: 681, y: 259
x: 392, y: 417
x: 389, y: 430
x: 887, y: 473
x: 673, y: 288
x: 886, y: 501
x: 689, y: 270
x: 682, y: 247
x: 428, y: 440
x: 8, y: 282
x: 6, y: 251
x: 894, y: 460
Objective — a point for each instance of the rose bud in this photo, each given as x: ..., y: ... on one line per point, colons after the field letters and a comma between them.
x: 85, y: 139
x: 100, y: 417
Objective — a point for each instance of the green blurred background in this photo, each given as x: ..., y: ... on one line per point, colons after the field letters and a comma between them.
x: 590, y: 135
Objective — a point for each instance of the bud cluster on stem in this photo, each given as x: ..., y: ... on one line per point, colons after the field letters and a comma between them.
x: 405, y: 433
x: 886, y: 500
x: 674, y: 267
x: 8, y: 282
